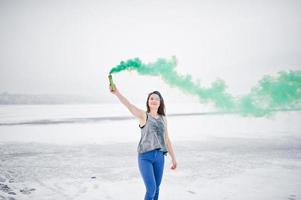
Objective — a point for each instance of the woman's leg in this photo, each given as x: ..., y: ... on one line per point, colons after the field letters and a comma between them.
x: 146, y: 168
x: 158, y: 171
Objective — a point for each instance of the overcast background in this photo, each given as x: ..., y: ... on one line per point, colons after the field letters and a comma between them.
x: 68, y: 47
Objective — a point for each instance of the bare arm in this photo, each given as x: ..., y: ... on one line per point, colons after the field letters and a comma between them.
x: 169, y: 146
x: 138, y: 113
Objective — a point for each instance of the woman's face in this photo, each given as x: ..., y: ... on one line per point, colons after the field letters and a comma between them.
x: 154, y: 101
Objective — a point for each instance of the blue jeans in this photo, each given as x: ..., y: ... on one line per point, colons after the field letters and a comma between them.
x: 151, y: 165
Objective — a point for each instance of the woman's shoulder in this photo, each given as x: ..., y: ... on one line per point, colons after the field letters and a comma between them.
x: 163, y: 115
x: 164, y: 118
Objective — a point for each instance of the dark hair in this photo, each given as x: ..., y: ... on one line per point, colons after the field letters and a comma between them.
x: 161, y: 109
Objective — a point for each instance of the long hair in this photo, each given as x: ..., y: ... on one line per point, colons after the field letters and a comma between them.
x: 161, y: 109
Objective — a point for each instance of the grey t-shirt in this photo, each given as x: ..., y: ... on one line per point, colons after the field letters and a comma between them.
x: 152, y: 135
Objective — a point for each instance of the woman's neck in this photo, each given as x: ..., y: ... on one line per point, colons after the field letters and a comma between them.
x: 154, y: 112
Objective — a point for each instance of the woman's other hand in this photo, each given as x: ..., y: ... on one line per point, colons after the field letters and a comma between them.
x: 174, y: 165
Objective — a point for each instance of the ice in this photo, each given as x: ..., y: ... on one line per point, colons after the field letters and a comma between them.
x: 219, y: 156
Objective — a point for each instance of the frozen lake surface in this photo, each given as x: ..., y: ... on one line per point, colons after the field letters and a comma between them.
x: 219, y: 156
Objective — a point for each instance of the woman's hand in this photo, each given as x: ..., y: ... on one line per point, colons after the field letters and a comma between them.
x: 174, y: 164
x: 115, y: 91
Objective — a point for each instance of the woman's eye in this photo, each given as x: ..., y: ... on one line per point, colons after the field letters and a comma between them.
x: 157, y: 99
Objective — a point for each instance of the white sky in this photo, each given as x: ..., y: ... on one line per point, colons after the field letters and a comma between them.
x: 68, y: 47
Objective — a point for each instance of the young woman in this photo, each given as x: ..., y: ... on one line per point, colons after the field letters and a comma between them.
x: 154, y: 142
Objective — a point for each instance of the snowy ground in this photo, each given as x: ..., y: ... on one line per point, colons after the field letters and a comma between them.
x: 219, y: 157
x: 220, y: 168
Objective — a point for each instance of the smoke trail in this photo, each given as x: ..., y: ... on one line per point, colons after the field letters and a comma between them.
x: 272, y: 93
x: 282, y: 92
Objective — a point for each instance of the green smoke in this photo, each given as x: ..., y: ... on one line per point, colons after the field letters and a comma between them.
x: 282, y: 92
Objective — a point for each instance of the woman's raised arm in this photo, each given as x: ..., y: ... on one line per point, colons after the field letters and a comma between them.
x: 137, y: 112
